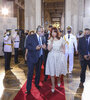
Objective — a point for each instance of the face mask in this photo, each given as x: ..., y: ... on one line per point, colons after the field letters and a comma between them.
x: 87, y: 35
x: 80, y: 33
x: 69, y: 32
x: 42, y: 34
x: 26, y: 33
x: 48, y: 32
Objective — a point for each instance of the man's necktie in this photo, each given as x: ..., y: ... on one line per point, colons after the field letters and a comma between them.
x: 87, y: 43
x: 41, y: 51
x: 89, y: 40
x: 68, y: 36
x: 40, y: 41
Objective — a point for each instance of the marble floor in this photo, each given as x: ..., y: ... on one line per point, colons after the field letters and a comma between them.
x: 12, y: 81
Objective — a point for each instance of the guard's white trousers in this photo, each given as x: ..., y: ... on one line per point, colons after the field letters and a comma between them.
x: 71, y: 60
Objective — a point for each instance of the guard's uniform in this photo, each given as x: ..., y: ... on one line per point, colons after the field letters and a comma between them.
x: 7, y: 50
x: 16, y: 47
x: 69, y: 49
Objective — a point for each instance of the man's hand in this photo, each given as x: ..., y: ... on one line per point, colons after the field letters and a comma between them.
x: 76, y: 52
x: 44, y: 46
x: 89, y: 56
x: 86, y: 57
x: 38, y: 47
x: 19, y: 49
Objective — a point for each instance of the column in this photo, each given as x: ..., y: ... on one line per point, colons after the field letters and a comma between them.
x: 75, y: 16
x: 81, y: 14
x: 86, y: 19
x: 42, y: 13
x: 67, y: 13
x: 18, y: 18
x: 32, y: 14
x: 38, y: 12
x: 87, y: 8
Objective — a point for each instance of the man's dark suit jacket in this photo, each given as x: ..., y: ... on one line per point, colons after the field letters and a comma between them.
x: 83, y: 47
x: 31, y: 44
x: 45, y: 41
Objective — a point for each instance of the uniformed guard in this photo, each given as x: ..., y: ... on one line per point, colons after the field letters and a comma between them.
x: 16, y: 46
x: 7, y: 49
x: 69, y: 47
x: 80, y: 34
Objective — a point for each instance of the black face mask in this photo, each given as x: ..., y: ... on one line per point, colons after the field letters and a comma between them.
x: 87, y: 35
x: 80, y: 33
x: 69, y: 32
x: 17, y: 33
x: 26, y: 33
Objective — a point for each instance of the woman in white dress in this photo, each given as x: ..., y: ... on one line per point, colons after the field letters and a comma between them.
x: 56, y: 62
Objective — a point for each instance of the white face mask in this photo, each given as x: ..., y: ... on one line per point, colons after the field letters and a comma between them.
x: 42, y: 34
x: 48, y: 32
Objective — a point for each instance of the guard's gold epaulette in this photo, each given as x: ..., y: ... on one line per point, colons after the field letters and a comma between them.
x: 5, y: 35
x: 66, y: 40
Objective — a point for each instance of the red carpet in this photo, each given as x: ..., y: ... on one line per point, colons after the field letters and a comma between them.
x: 44, y: 93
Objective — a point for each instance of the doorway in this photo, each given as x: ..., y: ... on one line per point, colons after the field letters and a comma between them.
x: 53, y: 13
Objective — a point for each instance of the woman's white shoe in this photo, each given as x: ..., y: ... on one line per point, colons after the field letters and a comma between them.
x: 59, y: 84
x: 52, y: 90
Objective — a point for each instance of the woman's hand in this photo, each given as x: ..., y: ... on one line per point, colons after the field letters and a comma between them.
x: 44, y: 46
x: 63, y: 49
x: 50, y: 47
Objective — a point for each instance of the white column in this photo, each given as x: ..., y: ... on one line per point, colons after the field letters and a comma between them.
x: 67, y: 13
x: 38, y: 12
x: 42, y: 13
x: 87, y: 8
x: 75, y: 16
x: 81, y: 14
x: 32, y: 14
x: 0, y: 2
x: 86, y: 19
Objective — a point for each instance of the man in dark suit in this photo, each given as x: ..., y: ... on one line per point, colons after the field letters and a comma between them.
x: 34, y: 58
x: 46, y: 37
x: 84, y: 51
x: 45, y: 51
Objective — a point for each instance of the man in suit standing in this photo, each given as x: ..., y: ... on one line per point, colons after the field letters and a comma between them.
x: 45, y: 52
x: 46, y: 37
x: 34, y: 57
x: 84, y: 51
